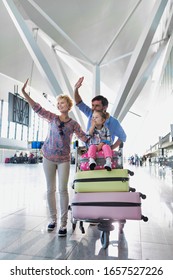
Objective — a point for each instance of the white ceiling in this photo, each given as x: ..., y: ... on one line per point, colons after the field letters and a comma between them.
x: 120, y: 39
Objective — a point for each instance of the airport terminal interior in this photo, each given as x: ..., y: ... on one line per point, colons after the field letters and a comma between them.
x: 124, y: 51
x: 24, y: 219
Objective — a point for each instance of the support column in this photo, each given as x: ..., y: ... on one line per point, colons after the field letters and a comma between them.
x: 96, y: 80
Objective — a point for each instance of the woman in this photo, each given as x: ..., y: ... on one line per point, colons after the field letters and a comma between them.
x: 56, y: 155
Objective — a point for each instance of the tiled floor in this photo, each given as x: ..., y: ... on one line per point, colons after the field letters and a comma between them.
x: 24, y: 217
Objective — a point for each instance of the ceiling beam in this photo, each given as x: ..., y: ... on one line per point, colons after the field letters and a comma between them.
x: 119, y: 31
x: 138, y: 55
x: 139, y: 84
x: 32, y: 47
x: 156, y: 65
x: 79, y: 69
x: 159, y: 72
x: 65, y: 36
x: 66, y: 87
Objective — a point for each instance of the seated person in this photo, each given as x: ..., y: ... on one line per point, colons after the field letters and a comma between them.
x: 100, y: 139
x: 31, y: 157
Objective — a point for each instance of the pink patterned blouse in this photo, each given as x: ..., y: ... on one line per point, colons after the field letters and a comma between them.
x: 56, y: 146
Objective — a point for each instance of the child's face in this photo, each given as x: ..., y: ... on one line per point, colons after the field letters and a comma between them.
x: 97, y: 119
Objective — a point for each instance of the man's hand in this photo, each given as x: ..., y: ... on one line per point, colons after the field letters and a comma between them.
x: 79, y: 83
x: 116, y: 144
x: 77, y: 97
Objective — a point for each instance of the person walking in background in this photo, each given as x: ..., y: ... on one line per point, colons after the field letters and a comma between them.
x: 100, y: 103
x: 56, y: 155
x: 100, y: 139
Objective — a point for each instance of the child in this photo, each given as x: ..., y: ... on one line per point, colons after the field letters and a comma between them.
x: 100, y: 139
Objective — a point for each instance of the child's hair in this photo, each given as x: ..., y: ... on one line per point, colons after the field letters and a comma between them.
x: 67, y: 98
x: 102, y: 114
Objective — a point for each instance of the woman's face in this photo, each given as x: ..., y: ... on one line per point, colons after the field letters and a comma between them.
x: 62, y: 105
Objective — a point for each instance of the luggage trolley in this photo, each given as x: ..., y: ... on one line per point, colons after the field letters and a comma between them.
x: 81, y: 159
x: 83, y: 203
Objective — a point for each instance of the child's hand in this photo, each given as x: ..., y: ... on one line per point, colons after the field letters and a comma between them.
x: 99, y: 146
x: 91, y: 130
x: 93, y: 123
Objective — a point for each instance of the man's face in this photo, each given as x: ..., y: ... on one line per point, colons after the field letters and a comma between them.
x: 97, y: 106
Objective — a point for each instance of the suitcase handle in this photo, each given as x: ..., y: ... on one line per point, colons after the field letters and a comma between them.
x: 120, y: 179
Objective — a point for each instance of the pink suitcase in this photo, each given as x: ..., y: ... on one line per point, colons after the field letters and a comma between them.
x: 112, y: 205
x: 100, y: 160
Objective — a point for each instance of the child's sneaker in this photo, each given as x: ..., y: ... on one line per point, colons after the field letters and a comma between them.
x: 92, y: 163
x: 108, y: 164
x: 108, y: 167
x: 62, y: 231
x: 51, y: 225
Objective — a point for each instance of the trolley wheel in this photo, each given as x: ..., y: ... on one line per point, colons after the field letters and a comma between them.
x: 74, y: 223
x: 121, y: 226
x: 74, y: 226
x: 104, y: 238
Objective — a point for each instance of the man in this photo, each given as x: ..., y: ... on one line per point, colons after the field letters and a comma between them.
x: 100, y: 103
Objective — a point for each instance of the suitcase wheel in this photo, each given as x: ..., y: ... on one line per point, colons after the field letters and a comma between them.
x: 145, y: 219
x: 131, y: 173
x: 104, y: 238
x: 132, y: 189
x: 143, y: 196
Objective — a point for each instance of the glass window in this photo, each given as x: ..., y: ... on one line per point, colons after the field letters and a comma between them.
x: 4, y: 120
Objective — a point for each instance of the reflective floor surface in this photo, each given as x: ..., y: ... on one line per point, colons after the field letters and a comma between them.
x: 24, y: 218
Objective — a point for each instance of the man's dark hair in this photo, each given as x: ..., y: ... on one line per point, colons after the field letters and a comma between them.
x: 102, y: 98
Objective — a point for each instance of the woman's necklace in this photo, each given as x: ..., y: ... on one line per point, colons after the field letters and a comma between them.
x: 64, y: 119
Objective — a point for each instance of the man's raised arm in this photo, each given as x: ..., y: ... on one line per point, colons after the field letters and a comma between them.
x: 77, y: 97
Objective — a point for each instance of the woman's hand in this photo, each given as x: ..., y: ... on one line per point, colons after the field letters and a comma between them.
x: 26, y: 95
x: 24, y: 86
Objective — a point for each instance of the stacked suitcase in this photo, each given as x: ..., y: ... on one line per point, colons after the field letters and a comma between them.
x: 104, y: 197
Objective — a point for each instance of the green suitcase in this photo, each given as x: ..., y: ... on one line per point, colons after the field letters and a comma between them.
x: 116, y: 180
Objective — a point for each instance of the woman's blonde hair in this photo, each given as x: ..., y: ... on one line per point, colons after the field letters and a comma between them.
x: 67, y: 98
